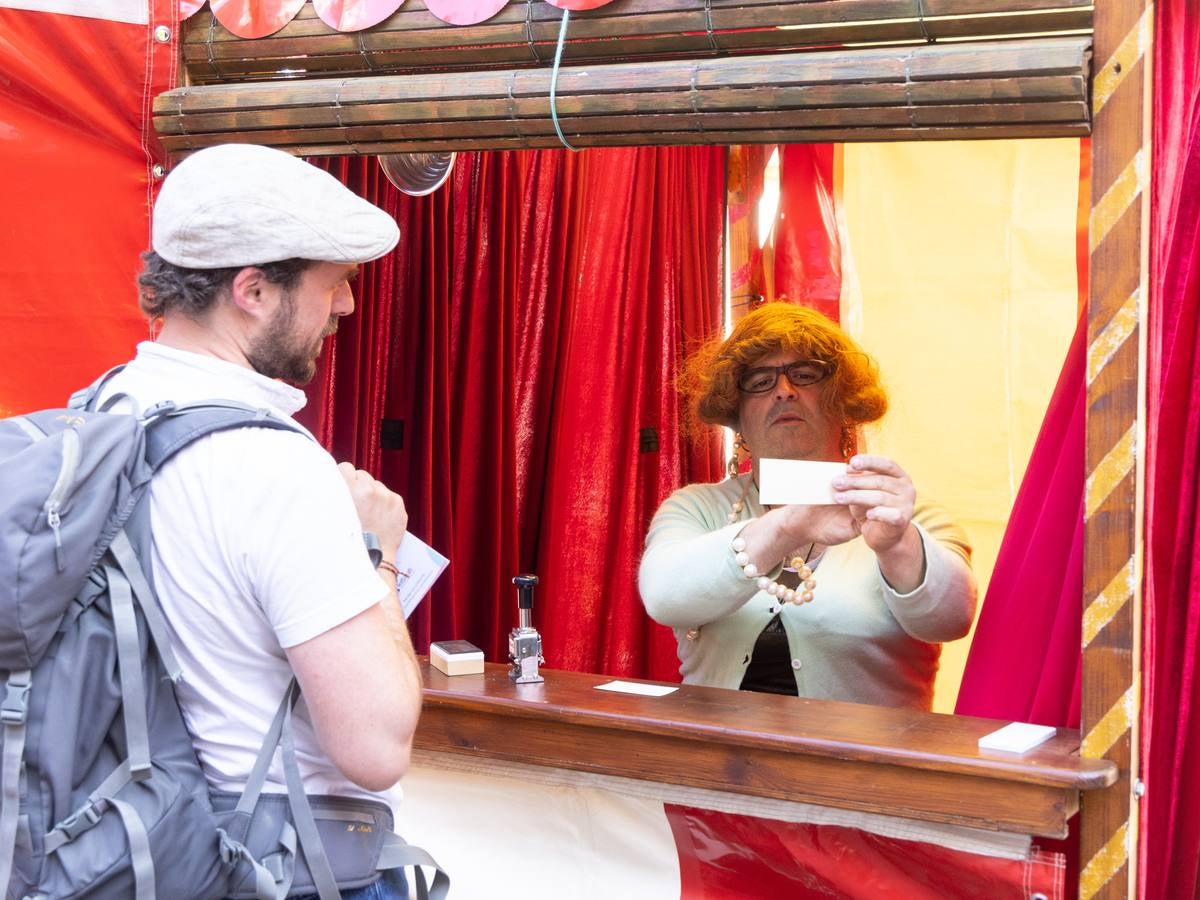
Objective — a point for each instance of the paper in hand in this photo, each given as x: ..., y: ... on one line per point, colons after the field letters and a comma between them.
x: 419, y: 566
x: 785, y: 481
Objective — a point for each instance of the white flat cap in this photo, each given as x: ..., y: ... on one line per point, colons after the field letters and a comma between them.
x: 245, y: 205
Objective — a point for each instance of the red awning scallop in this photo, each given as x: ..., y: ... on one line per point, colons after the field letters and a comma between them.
x: 254, y: 18
x: 354, y: 15
x: 465, y: 12
x: 259, y: 18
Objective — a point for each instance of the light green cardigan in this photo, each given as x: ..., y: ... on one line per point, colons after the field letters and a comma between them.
x: 858, y: 641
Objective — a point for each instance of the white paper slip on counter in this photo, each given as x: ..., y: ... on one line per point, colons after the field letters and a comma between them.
x: 1017, y: 737
x: 632, y: 687
x: 784, y: 481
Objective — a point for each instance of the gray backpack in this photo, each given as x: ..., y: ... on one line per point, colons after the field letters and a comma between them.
x: 101, y: 795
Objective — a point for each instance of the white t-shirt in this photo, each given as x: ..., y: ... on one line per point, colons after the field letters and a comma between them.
x: 256, y: 547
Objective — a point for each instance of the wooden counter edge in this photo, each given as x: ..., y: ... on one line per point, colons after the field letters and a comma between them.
x: 1074, y: 773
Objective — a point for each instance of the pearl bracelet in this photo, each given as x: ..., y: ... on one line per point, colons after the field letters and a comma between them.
x: 781, y: 592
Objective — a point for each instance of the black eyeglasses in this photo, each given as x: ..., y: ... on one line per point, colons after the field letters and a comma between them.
x: 761, y: 379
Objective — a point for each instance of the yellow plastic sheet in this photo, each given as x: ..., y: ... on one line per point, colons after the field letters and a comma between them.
x: 959, y: 276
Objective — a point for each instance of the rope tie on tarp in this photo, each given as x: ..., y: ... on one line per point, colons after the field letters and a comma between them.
x: 511, y: 106
x: 537, y: 57
x: 712, y: 38
x: 929, y: 39
x: 362, y: 52
x: 562, y: 39
x: 208, y: 45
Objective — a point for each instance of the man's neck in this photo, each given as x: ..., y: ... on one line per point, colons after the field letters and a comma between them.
x: 207, y: 338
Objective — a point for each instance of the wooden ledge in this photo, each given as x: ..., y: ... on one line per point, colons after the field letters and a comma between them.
x: 896, y: 762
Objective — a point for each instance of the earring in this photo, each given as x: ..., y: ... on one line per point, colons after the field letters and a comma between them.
x: 849, y: 443
x: 735, y: 461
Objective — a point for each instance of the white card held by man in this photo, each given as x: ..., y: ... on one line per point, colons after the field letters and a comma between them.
x: 418, y: 566
x: 786, y: 481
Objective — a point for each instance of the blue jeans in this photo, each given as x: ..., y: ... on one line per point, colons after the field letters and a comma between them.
x: 392, y: 886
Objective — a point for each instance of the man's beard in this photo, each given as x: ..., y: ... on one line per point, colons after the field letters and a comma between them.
x: 278, y: 353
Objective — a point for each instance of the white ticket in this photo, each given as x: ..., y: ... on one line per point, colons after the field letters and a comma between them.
x: 633, y: 687
x: 1017, y: 737
x: 784, y: 481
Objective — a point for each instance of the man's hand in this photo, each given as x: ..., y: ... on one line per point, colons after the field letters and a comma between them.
x: 380, y: 510
x: 822, y: 525
x: 787, y: 530
x: 880, y: 496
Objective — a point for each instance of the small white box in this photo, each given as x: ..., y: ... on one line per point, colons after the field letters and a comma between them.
x: 456, y: 657
x: 1017, y: 737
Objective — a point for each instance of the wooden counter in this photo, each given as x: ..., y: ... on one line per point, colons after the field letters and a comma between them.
x: 894, y: 762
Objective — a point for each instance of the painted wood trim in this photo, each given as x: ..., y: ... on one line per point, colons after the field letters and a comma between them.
x: 1119, y: 240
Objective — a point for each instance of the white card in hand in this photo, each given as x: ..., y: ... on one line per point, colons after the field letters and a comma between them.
x: 419, y: 566
x: 784, y: 481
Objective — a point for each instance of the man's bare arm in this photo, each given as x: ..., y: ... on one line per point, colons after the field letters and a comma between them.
x: 360, y: 680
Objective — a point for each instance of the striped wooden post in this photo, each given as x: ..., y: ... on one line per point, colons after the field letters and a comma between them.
x: 1117, y: 304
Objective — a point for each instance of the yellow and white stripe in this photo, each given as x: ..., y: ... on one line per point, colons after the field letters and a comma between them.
x: 1106, y: 344
x: 1110, y: 601
x: 1104, y: 865
x: 1118, y: 720
x: 1118, y: 198
x: 1110, y: 472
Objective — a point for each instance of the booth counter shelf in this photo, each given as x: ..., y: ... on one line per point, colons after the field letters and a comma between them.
x: 751, y: 752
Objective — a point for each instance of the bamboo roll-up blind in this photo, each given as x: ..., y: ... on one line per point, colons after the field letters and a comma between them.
x: 525, y: 32
x: 1014, y: 88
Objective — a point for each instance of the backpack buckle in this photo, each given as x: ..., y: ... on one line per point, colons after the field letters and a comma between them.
x: 158, y: 409
x: 77, y: 823
x: 231, y: 851
x: 16, y: 699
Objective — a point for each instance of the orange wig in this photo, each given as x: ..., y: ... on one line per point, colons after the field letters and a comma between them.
x: 852, y: 393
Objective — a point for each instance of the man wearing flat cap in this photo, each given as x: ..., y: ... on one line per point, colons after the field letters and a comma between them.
x: 258, y: 552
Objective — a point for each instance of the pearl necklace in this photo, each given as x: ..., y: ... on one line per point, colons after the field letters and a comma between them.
x: 797, y: 563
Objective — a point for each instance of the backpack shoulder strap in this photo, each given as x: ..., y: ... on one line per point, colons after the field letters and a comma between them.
x: 170, y: 428
x: 85, y: 398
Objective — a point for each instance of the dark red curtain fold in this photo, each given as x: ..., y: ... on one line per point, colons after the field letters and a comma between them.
x: 1169, y: 847
x: 525, y: 336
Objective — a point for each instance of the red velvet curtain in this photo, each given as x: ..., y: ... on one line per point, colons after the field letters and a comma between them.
x: 1170, y: 827
x: 645, y: 282
x: 808, y: 249
x: 525, y: 336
